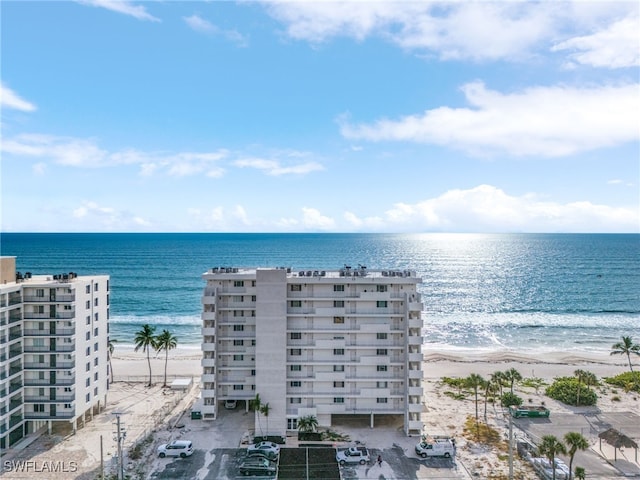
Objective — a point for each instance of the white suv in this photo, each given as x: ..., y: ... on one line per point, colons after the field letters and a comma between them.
x: 177, y: 448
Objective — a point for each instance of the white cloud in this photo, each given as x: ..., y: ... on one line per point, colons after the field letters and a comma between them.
x: 85, y: 153
x: 39, y: 168
x: 122, y: 6
x: 10, y: 99
x: 312, y: 219
x: 486, y: 208
x: 543, y: 121
x: 91, y: 216
x: 201, y: 25
x: 616, y: 46
x: 274, y: 168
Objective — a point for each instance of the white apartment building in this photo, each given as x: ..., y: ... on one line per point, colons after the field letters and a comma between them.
x: 53, y: 350
x: 313, y: 342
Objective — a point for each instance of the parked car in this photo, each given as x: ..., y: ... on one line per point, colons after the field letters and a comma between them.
x: 257, y: 466
x: 265, y: 447
x: 177, y: 448
x: 268, y: 454
x: 353, y: 455
x: 230, y: 404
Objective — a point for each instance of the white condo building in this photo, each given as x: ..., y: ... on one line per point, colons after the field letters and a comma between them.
x: 53, y: 350
x: 321, y: 343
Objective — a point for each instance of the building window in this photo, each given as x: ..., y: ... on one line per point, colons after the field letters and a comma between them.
x: 95, y: 302
x: 295, y: 368
x: 381, y: 384
x: 295, y: 400
x: 95, y: 332
x: 338, y: 288
x: 381, y: 288
x: 238, y: 328
x: 381, y: 336
x: 338, y: 319
x: 88, y: 351
x: 95, y: 377
x: 238, y: 283
x: 253, y: 342
x: 95, y: 317
x: 88, y: 397
x: 95, y: 347
x: 88, y: 304
x: 295, y: 383
x: 88, y: 289
x: 95, y: 287
x: 238, y: 298
x: 381, y: 304
x: 338, y: 399
x: 338, y: 368
x: 238, y: 343
x: 87, y: 382
x: 38, y: 407
x: 296, y: 287
x: 381, y: 351
x: 238, y: 387
x: 238, y: 313
x: 67, y: 405
x: 88, y: 336
x: 338, y: 303
x: 295, y: 351
x: 88, y: 366
x: 338, y: 384
x: 381, y: 368
x: 295, y: 335
x: 296, y: 303
x: 292, y: 423
x: 338, y: 351
x: 95, y: 362
x: 381, y: 400
x: 253, y: 373
x: 238, y: 358
x: 88, y: 319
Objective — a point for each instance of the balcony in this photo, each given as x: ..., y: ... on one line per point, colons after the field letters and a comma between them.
x: 48, y: 416
x: 50, y: 299
x: 48, y: 366
x: 47, y: 315
x: 15, y: 352
x: 13, y: 421
x: 14, y: 386
x: 15, y: 316
x: 43, y: 382
x: 46, y: 399
x: 67, y: 347
x: 59, y: 332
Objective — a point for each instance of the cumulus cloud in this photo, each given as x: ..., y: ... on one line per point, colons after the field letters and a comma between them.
x: 486, y: 208
x: 201, y: 25
x: 616, y: 46
x: 312, y: 219
x: 122, y: 6
x: 93, y: 216
x: 10, y: 99
x: 543, y: 121
x: 274, y: 168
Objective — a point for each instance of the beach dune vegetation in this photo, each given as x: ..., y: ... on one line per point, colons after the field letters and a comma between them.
x: 571, y: 391
x: 629, y: 381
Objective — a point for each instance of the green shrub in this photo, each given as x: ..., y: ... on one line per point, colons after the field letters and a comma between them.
x: 565, y: 390
x: 615, y: 398
x: 509, y: 399
x: 629, y: 381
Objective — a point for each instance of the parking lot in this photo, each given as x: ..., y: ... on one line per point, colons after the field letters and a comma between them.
x: 215, y: 457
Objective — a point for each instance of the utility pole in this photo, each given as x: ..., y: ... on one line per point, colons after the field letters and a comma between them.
x: 120, y: 436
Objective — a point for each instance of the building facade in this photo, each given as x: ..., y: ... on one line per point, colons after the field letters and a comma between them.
x: 54, y: 336
x: 321, y: 343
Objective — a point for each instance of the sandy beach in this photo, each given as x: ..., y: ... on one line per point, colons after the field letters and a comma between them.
x: 152, y: 410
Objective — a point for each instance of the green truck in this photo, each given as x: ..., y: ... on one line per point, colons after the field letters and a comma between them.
x: 537, y: 411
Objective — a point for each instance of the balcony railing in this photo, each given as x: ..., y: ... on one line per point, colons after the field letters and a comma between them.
x: 48, y: 316
x: 59, y: 332
x: 67, y: 347
x: 56, y: 299
x: 41, y: 382
x: 42, y: 366
x: 13, y: 421
x: 45, y: 399
x: 47, y: 415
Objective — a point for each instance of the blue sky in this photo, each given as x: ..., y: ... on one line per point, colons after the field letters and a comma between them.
x: 326, y: 116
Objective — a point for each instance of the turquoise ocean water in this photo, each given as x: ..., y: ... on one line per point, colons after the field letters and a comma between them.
x: 524, y: 292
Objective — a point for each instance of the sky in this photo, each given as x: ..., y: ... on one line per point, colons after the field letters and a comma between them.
x: 210, y: 116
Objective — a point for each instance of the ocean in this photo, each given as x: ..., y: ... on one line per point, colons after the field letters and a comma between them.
x: 529, y: 293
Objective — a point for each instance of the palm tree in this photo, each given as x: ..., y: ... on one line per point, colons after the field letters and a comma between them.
x: 512, y: 376
x: 265, y: 409
x: 166, y: 341
x: 498, y: 378
x: 590, y: 379
x: 308, y: 423
x: 256, y: 406
x: 549, y: 448
x: 575, y: 441
x: 489, y: 388
x: 145, y: 340
x: 110, y: 348
x: 580, y: 374
x: 475, y: 381
x: 626, y: 347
